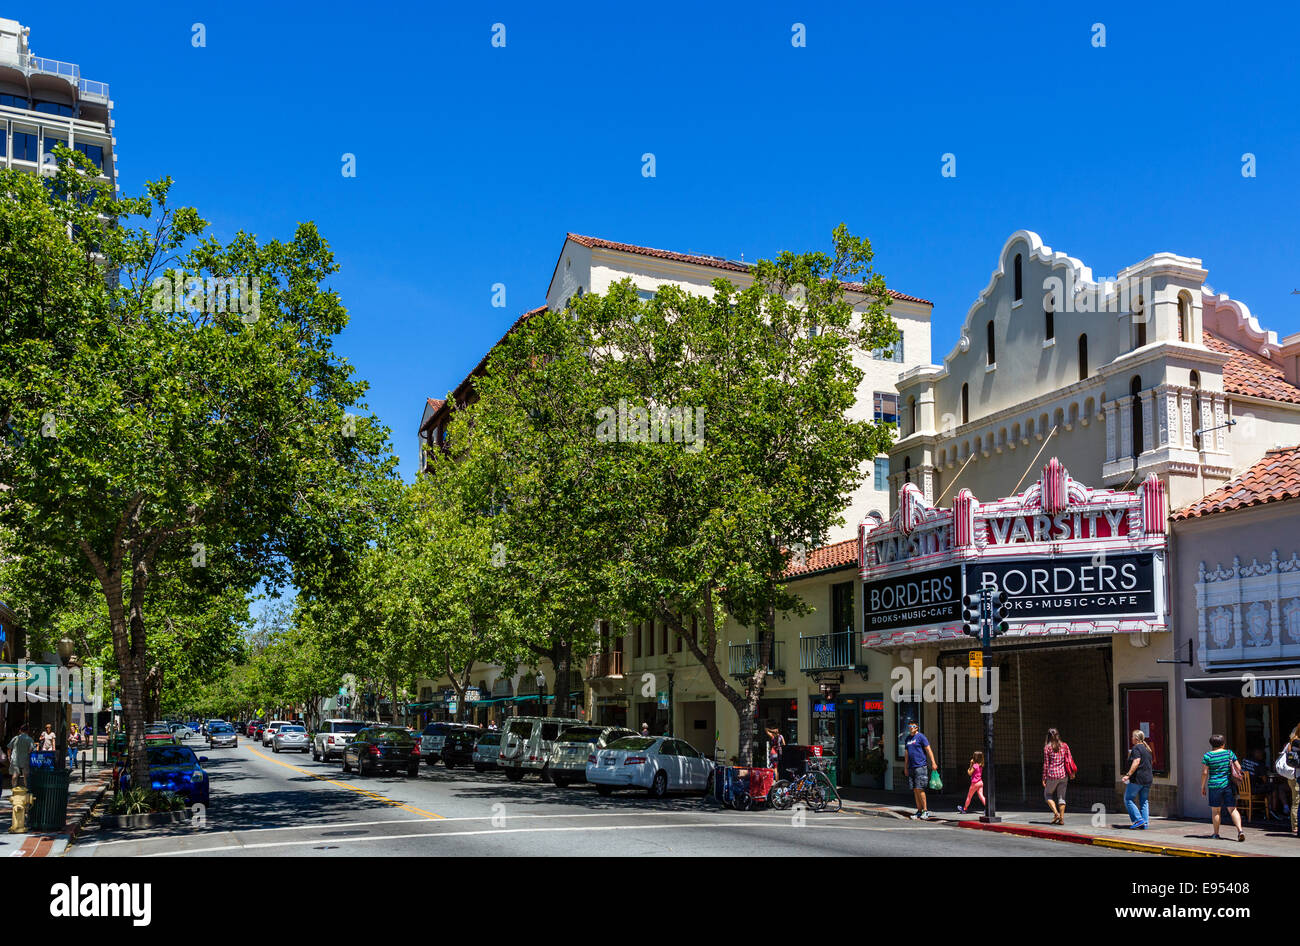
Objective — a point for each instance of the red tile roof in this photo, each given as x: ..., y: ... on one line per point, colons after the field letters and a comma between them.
x: 1276, y: 477
x: 825, y: 558
x: 1250, y: 374
x: 716, y: 262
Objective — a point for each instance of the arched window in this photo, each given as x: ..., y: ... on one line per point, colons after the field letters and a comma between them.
x: 1083, y: 357
x: 911, y: 414
x: 1196, y: 408
x: 1184, y: 319
x: 991, y: 356
x: 1019, y: 278
x: 1049, y: 318
x: 1135, y: 389
x: 907, y: 469
x: 1139, y: 324
x: 965, y: 403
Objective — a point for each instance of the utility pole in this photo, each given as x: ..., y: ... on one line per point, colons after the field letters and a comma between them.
x: 984, y: 619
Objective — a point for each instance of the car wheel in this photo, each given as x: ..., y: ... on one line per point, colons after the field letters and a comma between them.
x: 559, y: 781
x: 478, y: 767
x: 448, y: 763
x: 545, y: 774
x: 708, y: 785
x: 347, y: 769
x: 515, y: 775
x: 361, y: 767
x: 315, y: 756
x: 413, y: 770
x: 659, y: 787
x: 604, y: 790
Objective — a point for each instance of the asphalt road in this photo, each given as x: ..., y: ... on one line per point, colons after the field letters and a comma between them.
x: 264, y: 804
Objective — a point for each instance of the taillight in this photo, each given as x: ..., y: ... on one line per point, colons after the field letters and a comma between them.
x: 591, y: 760
x: 532, y: 758
x: 415, y: 749
x: 374, y: 750
x: 634, y: 760
x: 501, y: 755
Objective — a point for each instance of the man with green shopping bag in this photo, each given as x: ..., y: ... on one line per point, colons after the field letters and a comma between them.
x: 920, y: 760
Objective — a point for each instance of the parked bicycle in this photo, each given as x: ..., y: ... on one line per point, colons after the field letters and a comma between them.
x: 813, y: 788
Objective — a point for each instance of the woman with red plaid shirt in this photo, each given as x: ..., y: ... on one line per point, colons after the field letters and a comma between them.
x: 1057, y: 766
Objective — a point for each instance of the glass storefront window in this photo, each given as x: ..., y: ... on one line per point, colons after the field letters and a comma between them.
x: 905, y: 711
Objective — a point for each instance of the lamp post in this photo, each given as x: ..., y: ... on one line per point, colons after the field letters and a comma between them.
x: 541, y: 691
x: 672, y: 672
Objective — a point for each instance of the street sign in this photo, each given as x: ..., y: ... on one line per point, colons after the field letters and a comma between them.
x: 976, y: 662
x: 663, y: 699
x: 343, y: 691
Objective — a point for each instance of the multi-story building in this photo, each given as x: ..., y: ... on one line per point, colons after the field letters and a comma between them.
x: 820, y: 647
x: 46, y: 102
x: 1151, y: 387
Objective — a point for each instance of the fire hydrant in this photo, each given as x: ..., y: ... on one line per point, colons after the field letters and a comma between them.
x: 21, y: 799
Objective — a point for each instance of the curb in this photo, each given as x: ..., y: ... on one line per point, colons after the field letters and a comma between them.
x: 1169, y: 850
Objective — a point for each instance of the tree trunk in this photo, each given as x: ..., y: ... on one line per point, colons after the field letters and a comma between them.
x: 563, y: 653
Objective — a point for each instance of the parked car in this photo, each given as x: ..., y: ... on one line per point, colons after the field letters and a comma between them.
x: 458, y: 748
x: 159, y: 733
x: 290, y: 737
x: 574, y: 746
x: 174, y: 769
x: 332, y: 736
x: 431, y: 740
x: 221, y: 734
x: 269, y: 732
x: 658, y: 764
x: 255, y: 727
x: 527, y: 742
x: 485, y: 751
x: 386, y: 747
x: 180, y: 731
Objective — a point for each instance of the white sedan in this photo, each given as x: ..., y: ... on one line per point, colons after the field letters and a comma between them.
x: 658, y: 764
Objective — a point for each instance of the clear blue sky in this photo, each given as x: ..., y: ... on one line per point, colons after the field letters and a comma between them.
x: 473, y: 161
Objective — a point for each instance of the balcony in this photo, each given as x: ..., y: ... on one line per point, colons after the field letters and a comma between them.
x: 827, y: 652
x: 742, y: 660
x: 605, y: 665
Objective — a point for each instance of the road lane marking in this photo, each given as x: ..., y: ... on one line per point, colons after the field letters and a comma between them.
x: 352, y: 788
x: 493, y: 831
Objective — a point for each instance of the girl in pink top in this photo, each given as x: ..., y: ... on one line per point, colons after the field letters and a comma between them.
x: 976, y: 772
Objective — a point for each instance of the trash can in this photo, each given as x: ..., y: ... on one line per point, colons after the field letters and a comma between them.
x: 49, y: 810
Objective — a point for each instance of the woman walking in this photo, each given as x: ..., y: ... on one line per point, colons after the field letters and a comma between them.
x: 1058, y: 767
x: 1137, y: 781
x: 74, y: 743
x: 1290, y: 753
x: 1218, y: 769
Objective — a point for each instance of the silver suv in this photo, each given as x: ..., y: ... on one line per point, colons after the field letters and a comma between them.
x: 575, y: 745
x: 527, y: 743
x: 331, y: 736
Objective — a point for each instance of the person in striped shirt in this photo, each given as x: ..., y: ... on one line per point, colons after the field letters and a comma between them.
x: 1216, y: 784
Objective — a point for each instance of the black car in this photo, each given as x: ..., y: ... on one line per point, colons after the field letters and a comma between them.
x: 386, y: 748
x: 458, y: 748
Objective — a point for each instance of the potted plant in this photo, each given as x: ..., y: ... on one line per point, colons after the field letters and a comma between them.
x: 869, y: 770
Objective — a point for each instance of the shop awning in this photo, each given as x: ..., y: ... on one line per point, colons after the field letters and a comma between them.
x: 1239, y: 685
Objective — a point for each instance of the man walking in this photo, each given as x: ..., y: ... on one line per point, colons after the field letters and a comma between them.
x: 920, y: 759
x: 20, y: 757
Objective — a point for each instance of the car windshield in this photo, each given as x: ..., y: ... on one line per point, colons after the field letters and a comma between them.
x: 581, y: 734
x: 172, y: 755
x: 348, y: 727
x: 634, y: 743
x: 434, y: 729
x: 490, y: 739
x: 220, y: 727
x: 158, y: 729
x: 521, y: 727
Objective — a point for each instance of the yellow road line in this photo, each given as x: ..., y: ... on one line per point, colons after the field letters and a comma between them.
x: 352, y: 788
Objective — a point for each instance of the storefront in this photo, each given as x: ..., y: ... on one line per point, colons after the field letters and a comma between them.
x: 1084, y: 575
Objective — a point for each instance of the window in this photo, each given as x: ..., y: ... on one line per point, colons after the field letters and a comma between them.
x: 26, y: 147
x: 842, y: 607
x: 1083, y: 357
x: 1196, y: 409
x: 965, y: 403
x: 882, y: 473
x: 1135, y: 390
x: 907, y: 469
x: 13, y: 101
x: 664, y: 638
x: 636, y: 640
x: 650, y: 637
x: 886, y: 407
x: 94, y: 152
x: 1184, y: 318
x: 894, y: 353
x: 991, y: 355
x: 911, y: 415
x: 1139, y: 324
x: 1146, y: 707
x: 1019, y: 275
x: 53, y: 108
x: 1049, y: 319
x: 4, y: 141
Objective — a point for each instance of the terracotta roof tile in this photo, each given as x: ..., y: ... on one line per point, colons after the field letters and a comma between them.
x: 1276, y: 477
x: 825, y: 558
x: 716, y: 262
x: 1251, y: 375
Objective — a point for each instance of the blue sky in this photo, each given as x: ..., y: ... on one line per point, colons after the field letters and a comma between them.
x: 473, y: 161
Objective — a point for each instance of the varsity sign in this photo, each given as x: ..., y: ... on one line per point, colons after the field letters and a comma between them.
x: 1097, y: 586
x: 914, y: 599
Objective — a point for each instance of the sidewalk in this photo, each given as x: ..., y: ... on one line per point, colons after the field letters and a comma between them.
x: 82, y: 797
x: 1171, y: 836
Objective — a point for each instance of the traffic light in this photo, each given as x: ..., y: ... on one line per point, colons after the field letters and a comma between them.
x: 998, y: 616
x: 970, y: 615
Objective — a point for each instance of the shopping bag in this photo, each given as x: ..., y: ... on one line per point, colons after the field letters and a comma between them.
x: 936, y: 782
x: 1282, y: 768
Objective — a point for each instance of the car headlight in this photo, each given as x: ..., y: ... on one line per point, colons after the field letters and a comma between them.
x: 196, y: 776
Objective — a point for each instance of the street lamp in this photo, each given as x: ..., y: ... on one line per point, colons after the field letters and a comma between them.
x: 671, y: 663
x: 541, y: 691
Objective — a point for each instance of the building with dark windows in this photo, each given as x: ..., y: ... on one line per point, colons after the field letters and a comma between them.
x: 47, y: 102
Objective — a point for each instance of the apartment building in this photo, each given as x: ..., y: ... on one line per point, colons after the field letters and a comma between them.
x: 47, y: 102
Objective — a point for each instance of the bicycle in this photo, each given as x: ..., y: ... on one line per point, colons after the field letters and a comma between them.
x: 812, y: 788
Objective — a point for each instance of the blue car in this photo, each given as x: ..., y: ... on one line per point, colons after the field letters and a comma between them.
x: 175, y: 769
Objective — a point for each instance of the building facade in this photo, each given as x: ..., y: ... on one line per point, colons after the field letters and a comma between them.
x: 1149, y: 377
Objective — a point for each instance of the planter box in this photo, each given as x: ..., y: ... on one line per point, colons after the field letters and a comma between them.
x: 151, y: 820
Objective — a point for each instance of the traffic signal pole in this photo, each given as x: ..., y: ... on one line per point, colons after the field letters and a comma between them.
x: 984, y: 618
x: 990, y: 815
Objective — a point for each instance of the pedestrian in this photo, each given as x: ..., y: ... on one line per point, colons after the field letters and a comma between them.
x: 1291, y: 758
x: 976, y: 772
x: 775, y: 743
x: 645, y: 729
x: 1137, y: 781
x: 1219, y: 769
x: 20, y: 757
x: 48, y: 739
x: 1058, y: 769
x: 920, y: 758
x: 74, y: 743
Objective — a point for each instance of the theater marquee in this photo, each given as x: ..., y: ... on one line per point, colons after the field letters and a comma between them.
x: 1071, y: 559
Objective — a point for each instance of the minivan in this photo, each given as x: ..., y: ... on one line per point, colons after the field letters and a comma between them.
x: 527, y: 743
